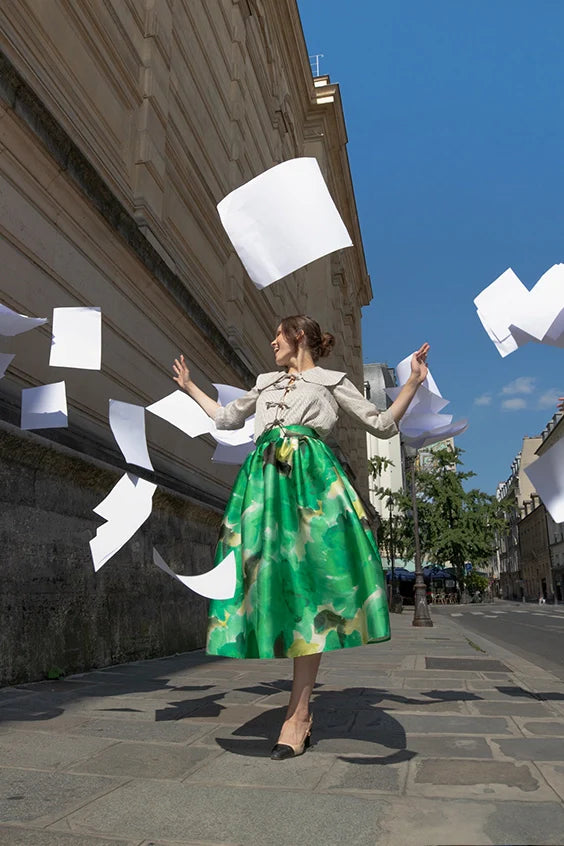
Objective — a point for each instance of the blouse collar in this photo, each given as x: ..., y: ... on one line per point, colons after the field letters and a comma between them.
x: 315, y: 375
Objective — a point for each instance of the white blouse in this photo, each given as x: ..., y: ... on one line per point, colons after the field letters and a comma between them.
x: 311, y: 398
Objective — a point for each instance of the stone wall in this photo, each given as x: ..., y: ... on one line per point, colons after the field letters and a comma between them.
x: 122, y: 124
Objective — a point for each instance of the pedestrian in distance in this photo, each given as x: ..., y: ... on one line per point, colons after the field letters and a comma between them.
x: 309, y: 575
x: 542, y: 600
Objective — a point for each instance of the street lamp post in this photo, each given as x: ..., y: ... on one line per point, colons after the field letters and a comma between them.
x: 396, y: 602
x: 421, y: 615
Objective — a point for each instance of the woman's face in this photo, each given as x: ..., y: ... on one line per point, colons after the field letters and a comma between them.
x: 283, y: 349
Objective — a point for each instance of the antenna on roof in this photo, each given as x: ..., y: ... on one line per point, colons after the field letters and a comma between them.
x: 314, y: 62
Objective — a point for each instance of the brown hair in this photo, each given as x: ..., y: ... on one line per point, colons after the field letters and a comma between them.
x: 319, y: 343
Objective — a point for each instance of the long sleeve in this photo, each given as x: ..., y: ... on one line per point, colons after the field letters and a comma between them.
x: 234, y: 414
x: 349, y: 398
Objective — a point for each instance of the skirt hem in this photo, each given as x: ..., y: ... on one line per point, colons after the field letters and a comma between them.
x: 299, y: 655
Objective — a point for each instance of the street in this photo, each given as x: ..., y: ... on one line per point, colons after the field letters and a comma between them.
x: 536, y: 632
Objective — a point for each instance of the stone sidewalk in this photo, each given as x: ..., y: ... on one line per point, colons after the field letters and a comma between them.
x: 422, y: 741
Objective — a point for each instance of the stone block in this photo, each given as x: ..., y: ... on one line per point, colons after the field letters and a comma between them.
x: 27, y: 796
x: 16, y: 836
x: 154, y: 809
x: 259, y: 771
x: 137, y: 760
x: 511, y: 708
x: 531, y: 748
x: 41, y: 751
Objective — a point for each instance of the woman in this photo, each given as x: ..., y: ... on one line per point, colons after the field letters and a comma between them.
x: 309, y: 576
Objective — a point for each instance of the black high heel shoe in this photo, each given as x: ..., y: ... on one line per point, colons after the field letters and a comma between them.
x: 281, y: 751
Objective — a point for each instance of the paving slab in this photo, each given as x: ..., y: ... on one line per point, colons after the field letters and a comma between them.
x: 41, y: 797
x: 478, y: 779
x: 16, y: 836
x: 259, y: 771
x: 540, y: 727
x: 142, y: 760
x: 170, y: 810
x: 46, y: 751
x: 362, y: 775
x: 511, y: 708
x: 531, y: 748
x: 437, y: 723
x: 167, y: 731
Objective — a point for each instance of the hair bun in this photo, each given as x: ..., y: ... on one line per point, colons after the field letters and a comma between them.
x: 327, y: 344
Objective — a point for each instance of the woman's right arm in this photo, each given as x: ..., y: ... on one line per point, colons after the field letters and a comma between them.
x: 230, y: 416
x: 182, y: 378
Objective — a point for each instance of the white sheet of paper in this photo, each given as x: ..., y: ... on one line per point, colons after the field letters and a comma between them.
x: 403, y: 371
x: 225, y: 454
x: 547, y: 477
x: 77, y: 338
x: 127, y: 422
x: 501, y: 303
x: 235, y: 437
x: 126, y: 508
x: 424, y: 400
x: 217, y: 583
x: 282, y: 220
x: 417, y: 424
x: 505, y: 347
x: 543, y: 304
x: 12, y: 323
x: 183, y: 412
x: 44, y: 407
x: 440, y: 434
x: 5, y: 361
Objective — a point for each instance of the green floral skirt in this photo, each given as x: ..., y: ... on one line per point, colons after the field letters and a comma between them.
x: 309, y: 576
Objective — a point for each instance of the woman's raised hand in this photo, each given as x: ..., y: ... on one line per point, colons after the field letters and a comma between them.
x: 182, y: 374
x: 419, y: 369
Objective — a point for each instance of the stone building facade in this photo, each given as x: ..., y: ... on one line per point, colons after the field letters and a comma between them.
x: 534, y: 552
x: 553, y: 432
x: 515, y: 491
x: 122, y: 124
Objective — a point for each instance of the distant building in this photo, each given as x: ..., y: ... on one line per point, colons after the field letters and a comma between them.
x: 426, y: 455
x: 378, y: 377
x: 552, y: 433
x: 515, y: 491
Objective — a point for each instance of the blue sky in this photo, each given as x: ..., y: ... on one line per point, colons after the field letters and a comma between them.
x: 456, y: 136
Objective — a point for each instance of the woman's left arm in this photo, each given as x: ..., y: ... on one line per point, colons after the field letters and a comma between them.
x: 383, y: 424
x: 419, y: 372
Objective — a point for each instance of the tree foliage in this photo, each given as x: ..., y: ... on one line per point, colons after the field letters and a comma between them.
x: 455, y: 526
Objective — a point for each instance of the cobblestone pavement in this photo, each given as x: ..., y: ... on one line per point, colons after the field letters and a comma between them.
x: 438, y: 737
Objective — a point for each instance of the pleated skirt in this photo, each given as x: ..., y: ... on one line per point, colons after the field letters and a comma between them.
x: 309, y: 575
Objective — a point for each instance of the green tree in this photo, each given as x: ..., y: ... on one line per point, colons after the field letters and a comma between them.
x: 456, y: 526
x: 396, y: 530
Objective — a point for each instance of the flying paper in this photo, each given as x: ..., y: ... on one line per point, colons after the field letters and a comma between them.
x: 127, y: 422
x: 422, y: 425
x: 5, y: 361
x: 125, y: 509
x: 442, y: 433
x: 403, y: 372
x: 77, y: 338
x: 218, y: 583
x: 44, y: 407
x: 512, y: 315
x: 184, y: 413
x: 547, y: 477
x: 225, y: 454
x: 282, y: 220
x: 12, y: 323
